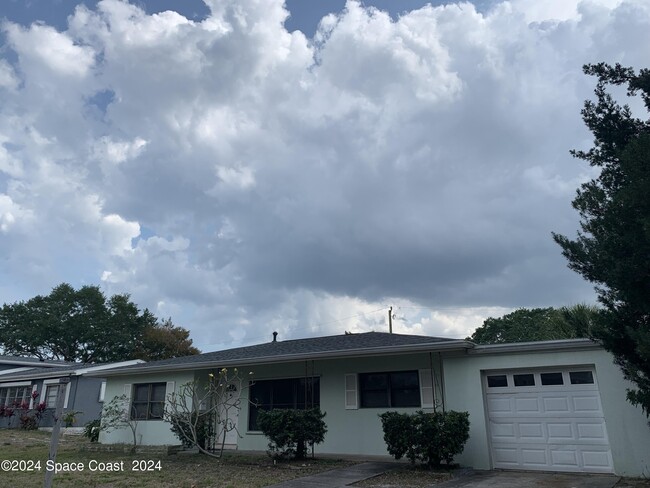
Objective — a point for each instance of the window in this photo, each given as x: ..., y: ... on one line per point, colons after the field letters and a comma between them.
x: 581, y: 378
x: 497, y: 381
x: 524, y: 379
x: 13, y: 396
x: 51, y: 394
x: 550, y: 379
x: 399, y: 389
x: 290, y: 393
x: 148, y: 401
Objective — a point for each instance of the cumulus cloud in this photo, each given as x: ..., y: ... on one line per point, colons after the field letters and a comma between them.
x: 245, y: 179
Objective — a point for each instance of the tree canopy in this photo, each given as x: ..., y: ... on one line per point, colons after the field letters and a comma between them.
x: 612, y: 247
x: 537, y: 324
x: 83, y: 325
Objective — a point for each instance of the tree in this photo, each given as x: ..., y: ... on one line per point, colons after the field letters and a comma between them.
x: 612, y: 247
x: 537, y: 324
x: 165, y: 340
x: 83, y: 325
x: 202, y: 413
x: 119, y: 414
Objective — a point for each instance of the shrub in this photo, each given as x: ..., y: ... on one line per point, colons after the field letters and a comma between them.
x: 182, y: 428
x: 291, y: 431
x: 428, y: 437
x: 92, y: 429
x: 29, y: 422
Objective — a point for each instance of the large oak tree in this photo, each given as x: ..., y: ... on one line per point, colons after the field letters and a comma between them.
x: 612, y: 247
x: 83, y: 325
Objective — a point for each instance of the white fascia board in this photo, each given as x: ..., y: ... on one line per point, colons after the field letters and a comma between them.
x: 15, y: 370
x: 78, y: 372
x: 34, y: 364
x: 524, y: 347
x: 366, y: 352
x: 15, y: 383
x: 101, y: 367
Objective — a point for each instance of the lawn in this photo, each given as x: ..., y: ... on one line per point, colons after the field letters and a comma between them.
x: 235, y: 470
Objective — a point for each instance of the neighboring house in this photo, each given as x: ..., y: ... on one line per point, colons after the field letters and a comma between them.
x: 553, y: 405
x: 30, y: 382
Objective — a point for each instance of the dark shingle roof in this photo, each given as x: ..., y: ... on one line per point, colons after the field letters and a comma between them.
x: 298, y: 348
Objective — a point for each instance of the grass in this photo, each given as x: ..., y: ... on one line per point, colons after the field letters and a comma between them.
x: 235, y: 470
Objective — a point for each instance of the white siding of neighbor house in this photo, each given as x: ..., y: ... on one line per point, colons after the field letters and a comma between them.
x: 149, y: 432
x: 627, y: 427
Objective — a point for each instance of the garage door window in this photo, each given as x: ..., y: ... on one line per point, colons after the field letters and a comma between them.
x: 497, y: 381
x: 549, y: 379
x: 524, y: 379
x: 581, y: 377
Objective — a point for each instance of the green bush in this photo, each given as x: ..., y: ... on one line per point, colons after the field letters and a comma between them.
x: 291, y: 431
x: 181, y: 427
x: 28, y: 422
x: 91, y: 430
x: 428, y: 437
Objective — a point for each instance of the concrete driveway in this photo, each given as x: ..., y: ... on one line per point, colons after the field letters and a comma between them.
x: 527, y: 479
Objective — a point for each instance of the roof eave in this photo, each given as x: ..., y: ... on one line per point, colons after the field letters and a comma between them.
x: 540, y: 346
x: 286, y: 358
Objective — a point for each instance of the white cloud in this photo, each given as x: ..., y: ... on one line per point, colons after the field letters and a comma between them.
x: 242, y: 178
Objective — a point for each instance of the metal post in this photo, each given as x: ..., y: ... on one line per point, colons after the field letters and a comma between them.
x: 54, y: 441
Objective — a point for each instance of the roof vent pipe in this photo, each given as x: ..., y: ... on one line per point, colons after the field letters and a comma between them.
x: 275, y: 337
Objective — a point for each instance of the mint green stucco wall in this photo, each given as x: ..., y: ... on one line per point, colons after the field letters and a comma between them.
x: 149, y: 432
x: 627, y: 427
x: 348, y: 431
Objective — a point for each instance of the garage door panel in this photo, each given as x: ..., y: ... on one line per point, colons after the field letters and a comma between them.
x: 503, y: 431
x: 586, y: 403
x: 526, y: 405
x: 564, y: 457
x: 534, y: 457
x: 531, y: 431
x: 560, y: 431
x: 591, y: 431
x: 500, y: 404
x: 556, y: 404
x: 597, y: 460
x: 506, y: 456
x: 548, y: 427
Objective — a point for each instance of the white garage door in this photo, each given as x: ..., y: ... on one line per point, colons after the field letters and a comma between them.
x: 550, y: 420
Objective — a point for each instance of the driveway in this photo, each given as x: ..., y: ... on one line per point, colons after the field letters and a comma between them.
x: 527, y: 479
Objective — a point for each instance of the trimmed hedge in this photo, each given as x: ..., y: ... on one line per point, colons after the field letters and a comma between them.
x: 428, y: 437
x: 292, y: 431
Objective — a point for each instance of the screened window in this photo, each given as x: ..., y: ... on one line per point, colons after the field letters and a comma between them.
x: 148, y: 401
x: 290, y: 393
x: 398, y: 389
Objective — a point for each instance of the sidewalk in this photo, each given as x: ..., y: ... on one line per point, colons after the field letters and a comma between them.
x: 339, y: 477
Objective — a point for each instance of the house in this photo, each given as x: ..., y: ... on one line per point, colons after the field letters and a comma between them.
x: 27, y: 382
x: 552, y: 406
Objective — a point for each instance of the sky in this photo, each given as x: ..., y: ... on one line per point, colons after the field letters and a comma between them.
x: 245, y: 167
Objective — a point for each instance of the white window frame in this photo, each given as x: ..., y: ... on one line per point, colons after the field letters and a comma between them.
x: 66, y: 386
x: 102, y: 392
x: 16, y: 384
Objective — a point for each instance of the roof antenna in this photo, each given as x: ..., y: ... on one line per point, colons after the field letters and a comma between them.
x: 275, y: 337
x: 390, y: 320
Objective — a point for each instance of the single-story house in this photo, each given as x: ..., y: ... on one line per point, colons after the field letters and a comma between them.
x: 31, y: 382
x: 552, y: 405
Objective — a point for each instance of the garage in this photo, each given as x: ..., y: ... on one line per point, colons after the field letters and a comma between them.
x: 548, y: 419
